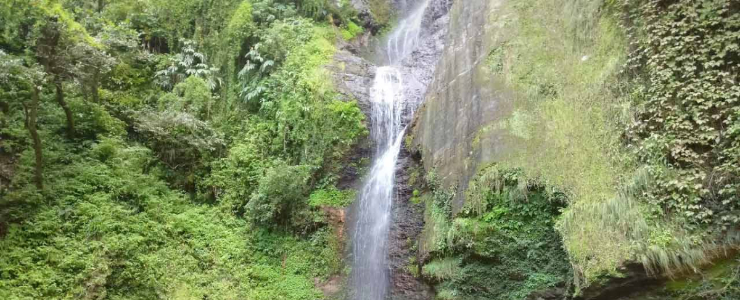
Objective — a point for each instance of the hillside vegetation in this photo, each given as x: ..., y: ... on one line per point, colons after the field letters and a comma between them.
x: 164, y: 149
x: 195, y: 149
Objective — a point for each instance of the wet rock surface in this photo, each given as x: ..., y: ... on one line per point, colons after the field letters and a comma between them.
x: 408, y: 218
x: 363, y: 12
x: 405, y: 231
x: 463, y: 99
x: 353, y: 75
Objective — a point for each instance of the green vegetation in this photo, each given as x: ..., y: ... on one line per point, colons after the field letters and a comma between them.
x: 165, y: 149
x: 720, y: 282
x: 624, y: 118
x: 569, y: 116
x: 686, y: 125
x: 352, y: 31
x: 502, y: 246
x: 190, y: 149
x: 332, y: 197
x: 629, y: 108
x: 381, y: 11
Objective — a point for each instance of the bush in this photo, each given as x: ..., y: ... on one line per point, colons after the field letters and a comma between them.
x: 280, y: 196
x: 190, y: 96
x: 181, y: 141
x: 351, y: 31
x: 92, y: 119
x: 236, y: 176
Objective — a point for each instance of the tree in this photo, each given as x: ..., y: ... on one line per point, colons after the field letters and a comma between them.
x: 21, y: 84
x: 188, y: 62
x: 90, y: 64
x: 67, y: 51
x: 51, y: 53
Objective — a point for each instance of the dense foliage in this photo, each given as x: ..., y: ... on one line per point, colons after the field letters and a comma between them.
x: 165, y: 149
x: 688, y: 121
x: 503, y: 244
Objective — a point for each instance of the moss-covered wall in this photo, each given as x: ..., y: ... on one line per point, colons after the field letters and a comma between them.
x: 463, y: 98
x: 541, y: 87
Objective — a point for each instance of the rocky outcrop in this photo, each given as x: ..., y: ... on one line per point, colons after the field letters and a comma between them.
x: 366, y: 15
x: 633, y: 284
x: 463, y: 99
x: 405, y: 231
x: 353, y: 77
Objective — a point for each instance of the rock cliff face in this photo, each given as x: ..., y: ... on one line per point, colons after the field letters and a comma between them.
x: 456, y: 132
x: 463, y: 99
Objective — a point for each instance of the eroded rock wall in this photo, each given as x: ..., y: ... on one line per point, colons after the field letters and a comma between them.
x: 453, y: 129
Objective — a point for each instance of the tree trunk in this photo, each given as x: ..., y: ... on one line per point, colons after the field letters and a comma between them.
x: 101, y: 5
x: 31, y: 115
x: 4, y: 108
x: 68, y: 112
x: 94, y: 88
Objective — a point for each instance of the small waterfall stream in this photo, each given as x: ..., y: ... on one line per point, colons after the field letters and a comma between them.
x: 370, y: 271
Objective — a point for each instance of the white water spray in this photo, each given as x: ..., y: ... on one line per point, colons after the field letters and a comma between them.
x: 370, y: 270
x: 404, y: 39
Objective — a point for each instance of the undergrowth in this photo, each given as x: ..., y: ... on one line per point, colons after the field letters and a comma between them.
x: 171, y: 149
x: 501, y: 246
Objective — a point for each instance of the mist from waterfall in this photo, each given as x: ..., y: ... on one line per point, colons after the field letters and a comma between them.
x: 404, y: 39
x: 370, y: 270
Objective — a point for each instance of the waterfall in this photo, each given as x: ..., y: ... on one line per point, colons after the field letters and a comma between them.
x: 404, y: 39
x: 370, y: 270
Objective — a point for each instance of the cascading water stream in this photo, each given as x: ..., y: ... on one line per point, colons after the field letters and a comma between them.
x: 370, y: 271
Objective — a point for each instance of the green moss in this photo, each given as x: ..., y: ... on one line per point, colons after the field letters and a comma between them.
x: 719, y: 281
x: 416, y: 197
x: 567, y: 123
x: 409, y: 141
x: 351, y: 31
x: 413, y: 267
x: 574, y: 107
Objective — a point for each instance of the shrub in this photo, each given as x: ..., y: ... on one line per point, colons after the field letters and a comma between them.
x: 92, y: 119
x: 280, y: 196
x: 190, y: 96
x: 351, y: 31
x: 181, y: 141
